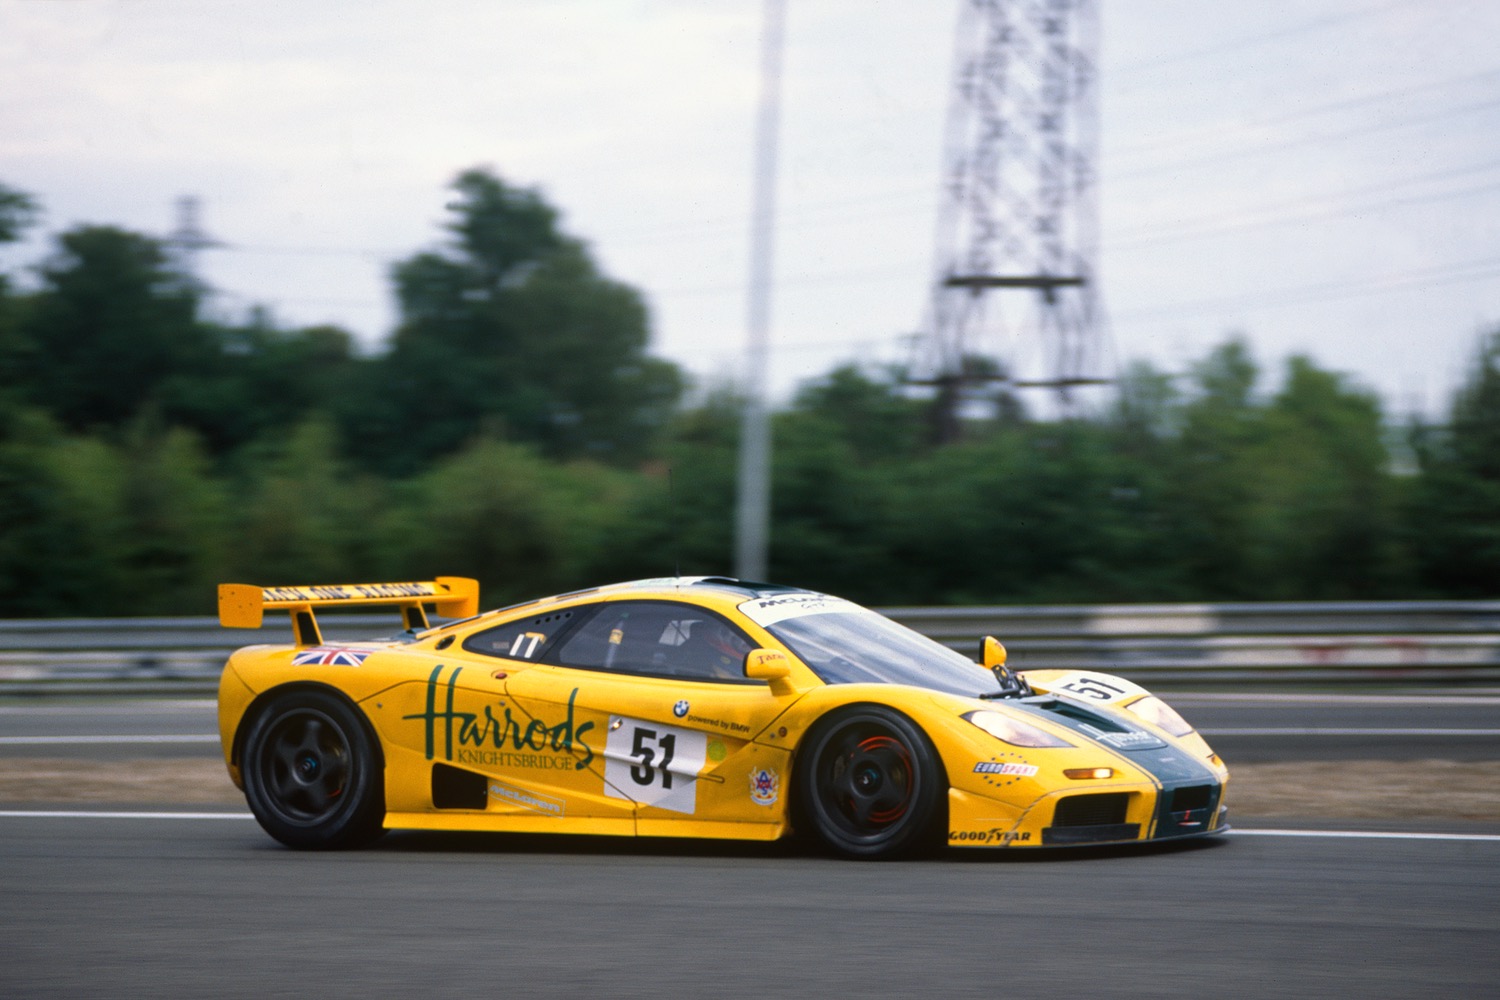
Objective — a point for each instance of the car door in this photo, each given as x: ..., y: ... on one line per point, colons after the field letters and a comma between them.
x: 519, y: 721
x: 662, y: 685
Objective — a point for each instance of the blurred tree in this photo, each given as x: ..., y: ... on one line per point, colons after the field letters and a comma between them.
x: 1032, y: 512
x: 497, y: 512
x: 304, y: 517
x: 1144, y: 432
x: 1147, y: 409
x: 976, y: 397
x: 834, y: 464
x: 91, y: 476
x: 513, y: 328
x: 147, y: 519
x: 44, y: 567
x: 173, y: 543
x: 830, y: 510
x: 1455, y: 511
x: 1208, y: 491
x: 109, y: 326
x: 18, y: 210
x: 678, y: 515
x: 1326, y: 504
x: 869, y: 414
x: 1323, y: 511
x: 1286, y: 498
x: 261, y: 381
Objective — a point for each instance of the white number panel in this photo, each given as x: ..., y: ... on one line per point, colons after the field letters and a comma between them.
x: 1095, y: 687
x: 653, y: 764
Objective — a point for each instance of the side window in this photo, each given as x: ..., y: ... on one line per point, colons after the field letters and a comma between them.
x: 658, y: 638
x: 526, y: 639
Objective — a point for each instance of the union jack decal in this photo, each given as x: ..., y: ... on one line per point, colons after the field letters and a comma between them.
x: 329, y: 656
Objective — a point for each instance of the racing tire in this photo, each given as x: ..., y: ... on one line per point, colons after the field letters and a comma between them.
x: 868, y: 783
x: 312, y: 773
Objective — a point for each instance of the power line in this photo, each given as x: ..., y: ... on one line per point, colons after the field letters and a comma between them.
x: 286, y: 250
x: 1443, y: 274
x: 1327, y: 291
x: 1448, y: 84
x: 909, y: 201
x: 1320, y: 208
x: 1306, y: 140
x: 1248, y: 41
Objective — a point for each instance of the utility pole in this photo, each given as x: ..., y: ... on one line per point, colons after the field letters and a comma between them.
x: 1018, y: 219
x: 753, y: 512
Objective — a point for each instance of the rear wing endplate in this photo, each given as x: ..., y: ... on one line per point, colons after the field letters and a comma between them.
x: 243, y: 605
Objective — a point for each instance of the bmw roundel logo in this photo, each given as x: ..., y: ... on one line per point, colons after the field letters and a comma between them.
x: 680, y: 709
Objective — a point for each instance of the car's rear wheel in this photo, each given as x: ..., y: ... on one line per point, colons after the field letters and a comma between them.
x: 312, y: 773
x: 869, y: 784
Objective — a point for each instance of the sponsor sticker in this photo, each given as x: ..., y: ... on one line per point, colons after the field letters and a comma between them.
x: 533, y: 801
x: 654, y: 764
x: 1006, y: 767
x: 348, y: 593
x: 767, y: 611
x: 497, y: 736
x: 994, y: 835
x: 1131, y: 739
x: 680, y: 709
x: 765, y: 787
x: 329, y: 656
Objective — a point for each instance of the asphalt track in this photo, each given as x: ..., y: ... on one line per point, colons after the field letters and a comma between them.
x: 95, y: 903
x: 195, y: 907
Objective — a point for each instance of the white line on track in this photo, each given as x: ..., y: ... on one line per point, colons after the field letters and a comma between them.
x: 173, y: 707
x: 1366, y: 835
x: 36, y: 741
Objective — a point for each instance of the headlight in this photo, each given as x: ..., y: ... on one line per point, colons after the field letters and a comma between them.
x: 1014, y: 731
x: 1159, y: 713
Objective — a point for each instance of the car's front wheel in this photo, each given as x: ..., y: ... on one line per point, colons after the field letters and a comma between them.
x: 869, y: 784
x: 312, y: 772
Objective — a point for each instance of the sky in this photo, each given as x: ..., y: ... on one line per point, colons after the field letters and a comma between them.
x: 1321, y: 177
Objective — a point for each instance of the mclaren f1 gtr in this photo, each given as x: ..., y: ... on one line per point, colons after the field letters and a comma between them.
x: 690, y: 707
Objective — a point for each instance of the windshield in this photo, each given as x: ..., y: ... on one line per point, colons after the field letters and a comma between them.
x: 858, y: 646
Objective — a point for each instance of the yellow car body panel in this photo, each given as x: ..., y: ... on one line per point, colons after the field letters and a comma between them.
x: 523, y: 720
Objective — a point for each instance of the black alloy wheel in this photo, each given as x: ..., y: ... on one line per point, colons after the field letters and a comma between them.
x: 869, y: 784
x: 312, y: 775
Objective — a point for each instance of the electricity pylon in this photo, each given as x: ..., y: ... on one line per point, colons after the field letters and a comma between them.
x: 186, y: 241
x: 1015, y: 299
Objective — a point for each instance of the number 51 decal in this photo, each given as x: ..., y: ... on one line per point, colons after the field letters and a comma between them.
x: 653, y: 764
x: 1099, y: 687
x: 649, y: 768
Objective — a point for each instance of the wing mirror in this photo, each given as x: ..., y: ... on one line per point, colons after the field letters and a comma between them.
x: 992, y: 655
x: 772, y: 666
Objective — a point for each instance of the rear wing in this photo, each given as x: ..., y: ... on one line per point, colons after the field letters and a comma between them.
x: 243, y: 605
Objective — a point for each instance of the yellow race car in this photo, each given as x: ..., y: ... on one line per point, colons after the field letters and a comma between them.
x: 690, y: 707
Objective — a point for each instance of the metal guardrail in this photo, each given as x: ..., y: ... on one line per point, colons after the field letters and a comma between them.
x: 176, y: 655
x: 1422, y: 642
x: 1447, y: 642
